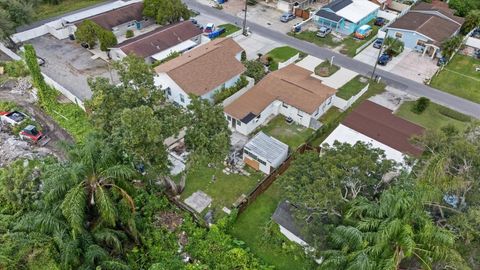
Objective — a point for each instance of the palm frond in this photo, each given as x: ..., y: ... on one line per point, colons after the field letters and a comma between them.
x: 105, y: 206
x: 74, y: 206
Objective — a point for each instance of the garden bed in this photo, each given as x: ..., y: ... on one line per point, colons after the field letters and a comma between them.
x: 325, y: 69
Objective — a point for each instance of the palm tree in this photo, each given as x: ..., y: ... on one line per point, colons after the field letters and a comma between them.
x: 387, y: 233
x: 92, y: 187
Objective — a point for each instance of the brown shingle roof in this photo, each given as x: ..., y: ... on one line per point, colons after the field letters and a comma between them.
x: 378, y: 123
x: 206, y: 67
x: 160, y: 39
x: 433, y: 26
x: 291, y: 84
x: 440, y: 7
x: 118, y: 16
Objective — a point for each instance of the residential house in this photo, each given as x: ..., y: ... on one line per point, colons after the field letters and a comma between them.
x: 425, y: 27
x: 290, y: 5
x: 376, y: 125
x: 160, y: 43
x: 345, y: 16
x: 264, y: 153
x: 117, y: 20
x: 201, y: 71
x: 382, y: 3
x: 290, y: 91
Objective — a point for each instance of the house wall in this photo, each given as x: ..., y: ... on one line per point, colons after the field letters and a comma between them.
x: 345, y: 27
x: 409, y: 38
x: 257, y: 165
x: 176, y: 93
x: 291, y: 236
x: 284, y: 6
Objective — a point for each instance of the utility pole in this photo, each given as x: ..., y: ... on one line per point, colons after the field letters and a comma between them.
x: 245, y: 19
x: 379, y: 53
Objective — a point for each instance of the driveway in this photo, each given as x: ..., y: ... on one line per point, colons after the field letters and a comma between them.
x: 255, y: 44
x: 70, y: 65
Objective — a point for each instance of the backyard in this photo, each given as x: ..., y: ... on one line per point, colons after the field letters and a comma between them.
x: 249, y: 227
x: 229, y: 29
x: 349, y: 44
x: 224, y: 190
x: 280, y: 54
x: 292, y: 134
x: 434, y: 117
x: 460, y: 78
x: 351, y: 88
x: 44, y: 11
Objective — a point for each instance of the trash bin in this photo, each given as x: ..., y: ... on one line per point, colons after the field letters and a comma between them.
x: 297, y: 28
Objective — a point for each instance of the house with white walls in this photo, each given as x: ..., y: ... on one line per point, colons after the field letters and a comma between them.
x: 264, y: 153
x: 291, y: 91
x: 160, y: 43
x: 201, y: 72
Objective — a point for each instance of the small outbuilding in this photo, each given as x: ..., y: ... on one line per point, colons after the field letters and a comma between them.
x: 264, y: 153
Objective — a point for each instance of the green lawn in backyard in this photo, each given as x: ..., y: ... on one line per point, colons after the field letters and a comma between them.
x: 431, y: 118
x: 292, y: 134
x: 330, y: 115
x: 351, y: 44
x: 281, y: 54
x: 229, y: 29
x: 325, y: 69
x: 249, y: 228
x: 460, y: 78
x: 351, y: 88
x: 225, y: 190
x: 44, y: 11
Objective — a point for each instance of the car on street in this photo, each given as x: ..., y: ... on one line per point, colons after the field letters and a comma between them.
x: 384, y: 59
x: 323, y: 31
x: 377, y: 44
x: 12, y: 118
x: 379, y: 21
x: 286, y: 17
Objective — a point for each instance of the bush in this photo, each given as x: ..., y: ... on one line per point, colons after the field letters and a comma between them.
x: 255, y: 70
x: 224, y: 93
x: 16, y: 69
x: 243, y: 56
x: 129, y: 33
x: 454, y: 114
x: 420, y: 105
x: 6, y: 106
x: 107, y: 40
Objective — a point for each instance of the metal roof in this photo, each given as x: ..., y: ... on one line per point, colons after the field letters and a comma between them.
x: 337, y: 5
x: 266, y: 147
x: 328, y: 15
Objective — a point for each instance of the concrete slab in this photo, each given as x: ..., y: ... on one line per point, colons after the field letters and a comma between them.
x: 199, y: 200
x: 339, y: 78
x: 255, y: 44
x: 310, y: 62
x: 392, y: 98
x: 416, y: 67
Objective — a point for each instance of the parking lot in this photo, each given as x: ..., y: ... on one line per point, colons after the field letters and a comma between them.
x: 409, y: 64
x: 70, y: 64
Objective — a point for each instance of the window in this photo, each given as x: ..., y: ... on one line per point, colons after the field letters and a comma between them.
x: 239, y: 123
x: 398, y: 35
x: 257, y: 118
x: 421, y: 43
x: 182, y: 99
x: 329, y: 100
x: 169, y: 91
x: 284, y: 105
x: 229, y: 118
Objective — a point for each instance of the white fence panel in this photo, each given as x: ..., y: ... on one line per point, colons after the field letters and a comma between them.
x: 343, y: 104
x: 64, y: 91
x: 289, y: 61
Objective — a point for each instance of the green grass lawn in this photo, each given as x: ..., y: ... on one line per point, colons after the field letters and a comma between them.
x: 351, y: 44
x: 229, y: 29
x: 460, y: 78
x: 310, y: 36
x: 431, y: 118
x: 292, y: 134
x: 280, y: 54
x: 225, y: 190
x: 351, y: 88
x: 44, y: 11
x: 330, y: 115
x: 325, y: 69
x: 249, y: 228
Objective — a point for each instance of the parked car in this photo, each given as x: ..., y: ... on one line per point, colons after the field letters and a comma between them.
x: 12, y: 118
x: 363, y: 31
x: 324, y: 31
x: 286, y: 17
x: 379, y: 21
x: 32, y: 134
x: 209, y: 28
x: 377, y: 44
x: 384, y: 59
x: 441, y: 61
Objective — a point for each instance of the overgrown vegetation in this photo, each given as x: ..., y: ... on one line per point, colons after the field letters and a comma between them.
x: 166, y: 11
x: 89, y: 32
x: 224, y: 93
x: 255, y: 70
x: 15, y: 68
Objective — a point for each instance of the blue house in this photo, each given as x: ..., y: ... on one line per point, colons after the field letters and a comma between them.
x: 425, y: 27
x: 345, y: 16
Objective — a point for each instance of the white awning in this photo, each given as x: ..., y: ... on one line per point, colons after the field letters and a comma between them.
x: 357, y: 10
x: 473, y: 42
x: 177, y: 48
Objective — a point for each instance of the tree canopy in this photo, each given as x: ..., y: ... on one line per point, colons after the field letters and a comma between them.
x: 166, y: 11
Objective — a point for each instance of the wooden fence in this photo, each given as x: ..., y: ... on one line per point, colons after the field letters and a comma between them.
x: 269, y: 179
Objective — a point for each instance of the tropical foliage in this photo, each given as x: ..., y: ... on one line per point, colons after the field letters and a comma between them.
x: 166, y: 11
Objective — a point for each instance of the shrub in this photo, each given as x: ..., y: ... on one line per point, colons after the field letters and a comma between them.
x: 129, y: 33
x: 224, y: 93
x: 6, y: 106
x: 87, y: 33
x: 16, y: 69
x: 454, y: 114
x: 255, y: 69
x: 107, y: 40
x: 420, y: 105
x: 243, y: 56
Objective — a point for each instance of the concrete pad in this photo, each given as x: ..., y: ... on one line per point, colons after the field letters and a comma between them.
x: 392, y: 98
x: 198, y: 201
x: 339, y: 78
x: 310, y: 63
x: 254, y: 44
x: 416, y: 67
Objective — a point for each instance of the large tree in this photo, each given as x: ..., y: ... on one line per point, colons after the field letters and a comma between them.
x: 472, y: 20
x: 166, y: 11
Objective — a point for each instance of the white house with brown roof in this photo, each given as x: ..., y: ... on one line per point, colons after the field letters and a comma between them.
x: 160, y: 43
x: 290, y: 91
x: 201, y: 71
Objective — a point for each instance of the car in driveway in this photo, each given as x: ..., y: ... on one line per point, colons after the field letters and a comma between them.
x: 12, y: 118
x: 377, y: 44
x: 323, y: 31
x: 286, y: 17
x: 384, y: 59
x: 379, y: 21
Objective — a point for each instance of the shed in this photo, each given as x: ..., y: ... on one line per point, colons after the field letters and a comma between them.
x: 264, y: 153
x: 287, y: 223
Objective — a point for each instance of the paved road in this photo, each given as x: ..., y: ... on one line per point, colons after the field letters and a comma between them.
x: 396, y: 81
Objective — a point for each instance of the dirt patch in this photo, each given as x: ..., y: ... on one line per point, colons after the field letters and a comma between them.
x: 19, y: 92
x: 169, y: 220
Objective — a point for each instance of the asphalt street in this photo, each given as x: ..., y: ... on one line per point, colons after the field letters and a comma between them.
x: 394, y: 80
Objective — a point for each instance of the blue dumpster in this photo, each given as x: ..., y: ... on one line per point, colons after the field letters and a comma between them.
x: 216, y: 33
x: 297, y: 28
